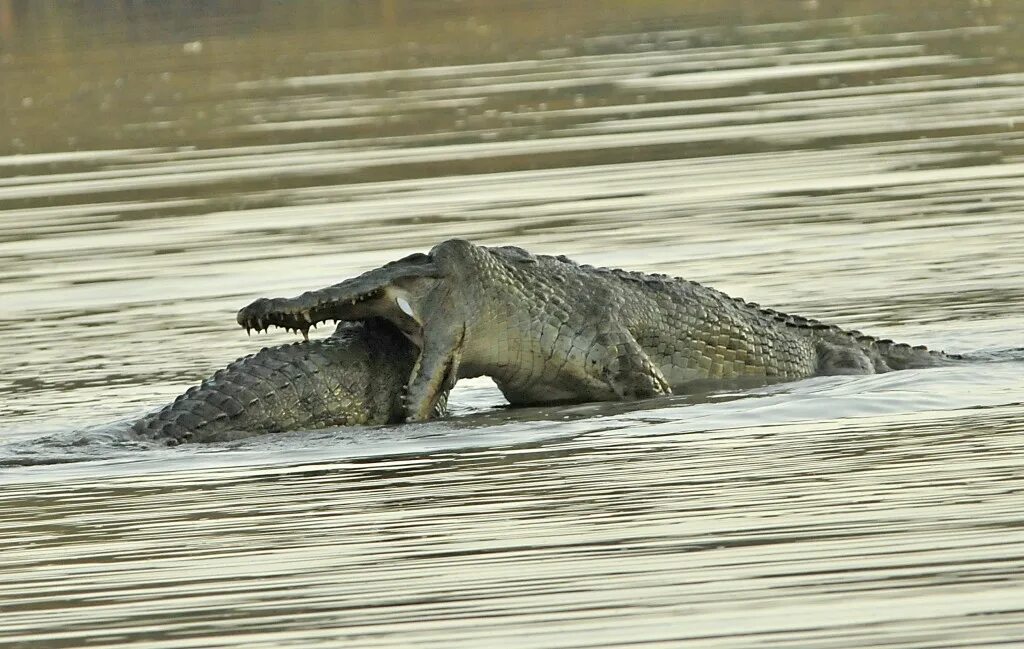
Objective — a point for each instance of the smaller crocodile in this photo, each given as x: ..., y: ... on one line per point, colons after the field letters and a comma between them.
x: 547, y: 329
x: 357, y: 375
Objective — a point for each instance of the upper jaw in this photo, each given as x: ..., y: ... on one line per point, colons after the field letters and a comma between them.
x: 302, y: 312
x: 392, y: 292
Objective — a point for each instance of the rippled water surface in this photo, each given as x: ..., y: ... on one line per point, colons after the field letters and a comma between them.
x: 859, y: 162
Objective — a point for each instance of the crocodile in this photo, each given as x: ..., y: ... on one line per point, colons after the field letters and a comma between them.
x: 547, y: 329
x: 356, y: 375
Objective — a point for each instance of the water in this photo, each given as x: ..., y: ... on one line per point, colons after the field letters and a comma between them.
x: 860, y: 164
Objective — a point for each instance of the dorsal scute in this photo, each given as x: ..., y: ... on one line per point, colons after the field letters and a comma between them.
x: 416, y: 257
x: 515, y: 254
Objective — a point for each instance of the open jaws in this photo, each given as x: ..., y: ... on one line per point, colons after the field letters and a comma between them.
x: 393, y: 292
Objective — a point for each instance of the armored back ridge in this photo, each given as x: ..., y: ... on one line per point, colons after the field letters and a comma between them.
x: 355, y: 376
x: 547, y: 329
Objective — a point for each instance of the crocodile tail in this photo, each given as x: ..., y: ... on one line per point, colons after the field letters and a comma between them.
x: 212, y: 405
x: 355, y: 376
x: 901, y: 356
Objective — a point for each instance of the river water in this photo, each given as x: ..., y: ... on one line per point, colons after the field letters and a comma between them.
x: 858, y: 162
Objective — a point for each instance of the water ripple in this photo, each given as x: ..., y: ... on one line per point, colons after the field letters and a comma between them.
x: 861, y: 168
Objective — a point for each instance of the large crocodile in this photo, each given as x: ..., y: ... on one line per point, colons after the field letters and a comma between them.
x: 547, y: 329
x: 355, y: 376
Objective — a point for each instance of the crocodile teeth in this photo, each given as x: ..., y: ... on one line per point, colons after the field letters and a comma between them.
x: 406, y: 308
x: 307, y: 316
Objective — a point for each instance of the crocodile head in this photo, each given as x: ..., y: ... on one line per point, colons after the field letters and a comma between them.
x: 393, y: 292
x: 434, y: 299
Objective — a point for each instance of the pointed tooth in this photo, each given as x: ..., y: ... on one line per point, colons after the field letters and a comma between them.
x: 406, y: 308
x: 307, y: 316
x: 305, y: 334
x: 259, y: 324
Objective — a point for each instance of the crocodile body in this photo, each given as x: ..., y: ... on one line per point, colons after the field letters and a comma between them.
x: 547, y: 329
x: 355, y: 376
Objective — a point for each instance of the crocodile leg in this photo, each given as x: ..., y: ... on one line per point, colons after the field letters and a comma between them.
x: 629, y: 371
x: 435, y: 371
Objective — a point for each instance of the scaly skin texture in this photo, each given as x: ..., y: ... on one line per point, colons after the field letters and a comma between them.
x: 355, y: 376
x: 547, y: 329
